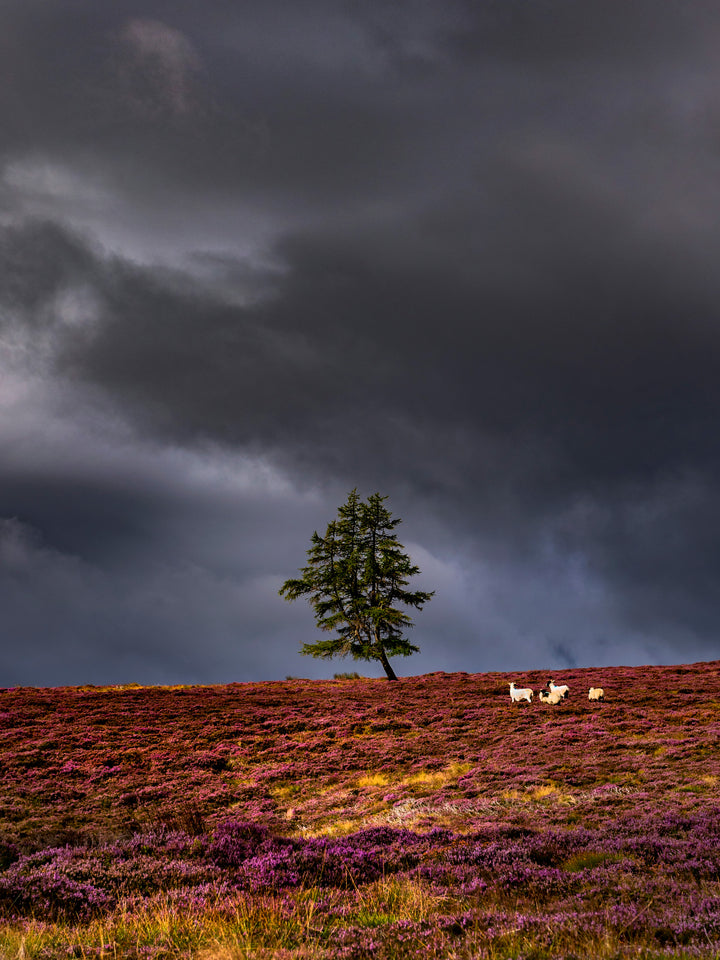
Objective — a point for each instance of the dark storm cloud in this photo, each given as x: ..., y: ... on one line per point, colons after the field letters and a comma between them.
x: 303, y: 106
x: 73, y: 622
x: 598, y: 410
x: 590, y: 358
x: 248, y: 106
x: 461, y: 253
x: 552, y: 31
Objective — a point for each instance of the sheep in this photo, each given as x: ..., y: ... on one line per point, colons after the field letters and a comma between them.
x: 517, y: 694
x: 596, y: 693
x: 563, y: 690
x: 550, y: 696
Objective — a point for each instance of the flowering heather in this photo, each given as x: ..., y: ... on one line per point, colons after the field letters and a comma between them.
x: 358, y: 818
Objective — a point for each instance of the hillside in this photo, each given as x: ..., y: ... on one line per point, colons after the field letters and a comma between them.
x: 504, y: 827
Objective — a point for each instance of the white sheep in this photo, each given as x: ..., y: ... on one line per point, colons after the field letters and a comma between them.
x: 520, y: 693
x: 563, y: 690
x: 596, y: 693
x: 550, y: 696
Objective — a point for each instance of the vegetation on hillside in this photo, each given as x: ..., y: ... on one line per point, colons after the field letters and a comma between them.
x: 328, y: 819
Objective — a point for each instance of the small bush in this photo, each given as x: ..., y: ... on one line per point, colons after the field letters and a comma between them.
x: 235, y: 841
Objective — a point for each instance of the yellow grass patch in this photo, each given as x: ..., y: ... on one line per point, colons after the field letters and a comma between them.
x: 551, y: 791
x: 438, y: 778
x: 374, y: 780
x: 540, y: 793
x: 547, y: 791
x: 336, y: 828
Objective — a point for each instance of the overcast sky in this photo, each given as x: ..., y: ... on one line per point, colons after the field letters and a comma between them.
x: 461, y: 252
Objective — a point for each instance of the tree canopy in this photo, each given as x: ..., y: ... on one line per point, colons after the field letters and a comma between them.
x: 356, y: 580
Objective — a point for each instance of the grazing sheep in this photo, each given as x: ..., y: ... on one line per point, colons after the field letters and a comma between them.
x: 596, y: 693
x: 517, y: 694
x: 550, y: 696
x: 563, y: 690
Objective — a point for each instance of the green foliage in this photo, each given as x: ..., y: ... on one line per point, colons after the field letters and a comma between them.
x: 356, y: 581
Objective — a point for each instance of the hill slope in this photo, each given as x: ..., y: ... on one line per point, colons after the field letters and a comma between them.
x: 599, y: 816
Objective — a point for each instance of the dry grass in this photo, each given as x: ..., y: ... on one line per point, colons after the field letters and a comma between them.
x: 438, y: 778
x: 260, y: 926
x: 545, y: 792
x: 374, y: 780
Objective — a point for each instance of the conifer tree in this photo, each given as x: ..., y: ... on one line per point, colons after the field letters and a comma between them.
x: 356, y: 581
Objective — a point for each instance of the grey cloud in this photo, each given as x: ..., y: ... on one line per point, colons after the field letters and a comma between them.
x: 157, y: 68
x: 71, y: 622
x: 37, y: 261
x: 408, y: 431
x: 141, y: 572
x: 597, y: 329
x: 562, y: 31
x: 658, y: 541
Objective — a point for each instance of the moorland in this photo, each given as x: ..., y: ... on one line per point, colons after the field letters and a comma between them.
x: 357, y: 818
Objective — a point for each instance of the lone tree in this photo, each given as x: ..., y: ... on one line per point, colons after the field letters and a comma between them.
x: 355, y: 578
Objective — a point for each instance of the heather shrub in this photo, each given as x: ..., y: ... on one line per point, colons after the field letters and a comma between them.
x: 322, y: 862
x: 337, y: 863
x: 46, y: 891
x: 235, y: 841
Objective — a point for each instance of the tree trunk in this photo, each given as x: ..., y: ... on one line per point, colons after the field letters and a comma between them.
x: 386, y: 665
